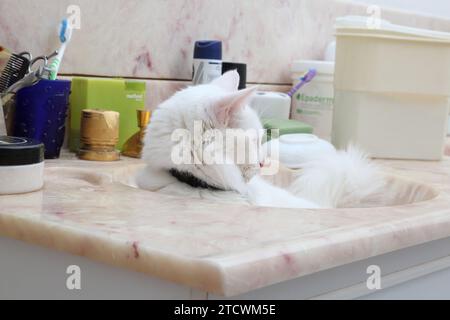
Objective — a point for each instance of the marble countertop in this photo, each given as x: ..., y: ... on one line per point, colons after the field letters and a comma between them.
x: 85, y: 209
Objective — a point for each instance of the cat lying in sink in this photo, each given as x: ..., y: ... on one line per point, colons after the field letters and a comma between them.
x: 182, y: 125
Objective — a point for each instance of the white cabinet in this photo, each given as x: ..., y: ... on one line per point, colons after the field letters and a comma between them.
x: 32, y: 272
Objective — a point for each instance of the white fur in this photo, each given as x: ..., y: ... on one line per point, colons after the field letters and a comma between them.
x: 180, y: 111
x: 262, y: 193
x: 345, y: 179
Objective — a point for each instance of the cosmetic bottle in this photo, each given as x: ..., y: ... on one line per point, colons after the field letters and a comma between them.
x: 207, y: 61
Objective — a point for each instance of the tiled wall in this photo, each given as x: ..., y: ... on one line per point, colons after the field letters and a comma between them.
x: 153, y: 39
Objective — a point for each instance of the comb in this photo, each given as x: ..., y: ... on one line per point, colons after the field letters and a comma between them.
x: 15, y: 68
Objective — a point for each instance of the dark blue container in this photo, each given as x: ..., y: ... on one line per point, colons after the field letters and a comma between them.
x: 208, y: 50
x: 41, y: 112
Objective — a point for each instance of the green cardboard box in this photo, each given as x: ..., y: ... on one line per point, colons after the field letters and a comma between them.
x: 123, y: 96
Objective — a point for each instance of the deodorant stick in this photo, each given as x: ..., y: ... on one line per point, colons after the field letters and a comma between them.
x: 207, y: 61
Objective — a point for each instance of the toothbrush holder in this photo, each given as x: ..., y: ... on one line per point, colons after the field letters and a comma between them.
x: 41, y: 112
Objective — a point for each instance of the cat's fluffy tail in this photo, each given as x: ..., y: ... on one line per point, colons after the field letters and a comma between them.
x: 344, y: 179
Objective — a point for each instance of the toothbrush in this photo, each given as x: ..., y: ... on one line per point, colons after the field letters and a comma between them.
x: 303, y: 80
x: 65, y: 34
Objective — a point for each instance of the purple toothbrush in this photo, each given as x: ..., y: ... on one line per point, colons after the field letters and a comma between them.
x: 303, y: 80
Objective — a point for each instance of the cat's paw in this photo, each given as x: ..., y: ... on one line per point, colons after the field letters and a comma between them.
x: 153, y: 179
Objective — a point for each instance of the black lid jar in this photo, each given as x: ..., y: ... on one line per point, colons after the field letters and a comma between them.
x: 21, y: 165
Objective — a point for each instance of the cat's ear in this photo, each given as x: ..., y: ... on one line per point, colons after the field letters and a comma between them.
x: 232, y: 103
x: 229, y: 81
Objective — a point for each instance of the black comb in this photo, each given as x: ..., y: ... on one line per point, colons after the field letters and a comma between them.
x: 16, y: 68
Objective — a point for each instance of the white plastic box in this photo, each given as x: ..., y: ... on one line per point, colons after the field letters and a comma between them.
x: 392, y: 88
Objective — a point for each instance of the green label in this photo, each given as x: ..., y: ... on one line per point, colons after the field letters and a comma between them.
x: 315, y: 99
x: 307, y: 112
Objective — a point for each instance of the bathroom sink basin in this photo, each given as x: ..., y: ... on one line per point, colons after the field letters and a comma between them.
x: 408, y: 191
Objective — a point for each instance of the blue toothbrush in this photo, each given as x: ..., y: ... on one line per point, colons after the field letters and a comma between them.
x: 65, y: 34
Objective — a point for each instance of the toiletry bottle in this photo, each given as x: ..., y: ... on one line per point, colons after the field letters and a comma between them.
x: 207, y: 61
x: 313, y: 104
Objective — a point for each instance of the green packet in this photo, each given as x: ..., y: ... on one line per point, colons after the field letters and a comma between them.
x: 285, y: 127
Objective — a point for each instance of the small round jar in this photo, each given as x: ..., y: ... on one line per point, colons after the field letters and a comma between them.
x: 21, y: 165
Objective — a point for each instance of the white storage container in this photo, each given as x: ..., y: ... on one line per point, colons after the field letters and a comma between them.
x: 313, y: 103
x: 271, y: 105
x: 392, y: 88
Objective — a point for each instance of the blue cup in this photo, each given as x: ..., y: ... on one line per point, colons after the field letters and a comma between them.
x: 41, y: 112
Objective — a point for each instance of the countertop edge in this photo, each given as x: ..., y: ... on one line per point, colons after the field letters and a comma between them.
x: 194, y: 270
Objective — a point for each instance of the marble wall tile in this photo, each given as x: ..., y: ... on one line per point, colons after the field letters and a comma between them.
x: 154, y: 39
x: 160, y: 90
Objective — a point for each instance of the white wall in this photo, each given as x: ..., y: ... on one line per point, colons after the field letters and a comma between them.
x: 433, y: 7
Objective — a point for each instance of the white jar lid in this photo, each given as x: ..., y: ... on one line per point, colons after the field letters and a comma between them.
x: 322, y: 67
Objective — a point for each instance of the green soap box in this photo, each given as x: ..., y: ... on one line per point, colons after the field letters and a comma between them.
x: 123, y: 96
x: 285, y: 126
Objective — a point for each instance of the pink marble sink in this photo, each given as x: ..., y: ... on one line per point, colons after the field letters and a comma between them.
x: 91, y: 209
x: 410, y: 191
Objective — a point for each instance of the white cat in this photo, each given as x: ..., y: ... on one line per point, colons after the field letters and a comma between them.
x: 344, y: 179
